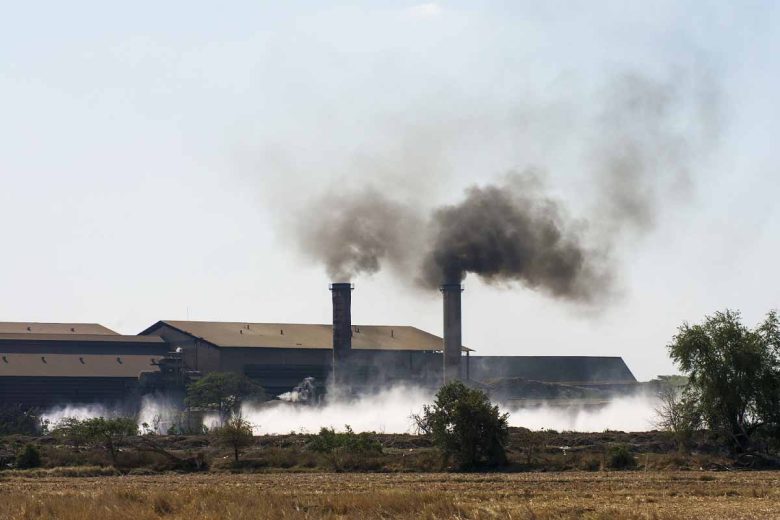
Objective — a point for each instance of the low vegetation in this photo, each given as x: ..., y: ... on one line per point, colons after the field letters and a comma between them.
x: 619, y: 457
x: 330, y: 441
x: 109, y: 434
x: 526, y: 451
x: 235, y: 434
x: 29, y: 457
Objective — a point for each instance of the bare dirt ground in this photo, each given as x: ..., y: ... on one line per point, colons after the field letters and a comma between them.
x: 580, y: 495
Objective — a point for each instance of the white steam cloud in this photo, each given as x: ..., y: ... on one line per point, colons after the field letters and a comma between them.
x: 628, y: 414
x: 57, y: 414
x: 391, y: 411
x: 156, y: 413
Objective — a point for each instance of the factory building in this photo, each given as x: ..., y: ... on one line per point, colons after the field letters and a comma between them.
x: 44, y: 364
x: 281, y: 355
x: 585, y: 371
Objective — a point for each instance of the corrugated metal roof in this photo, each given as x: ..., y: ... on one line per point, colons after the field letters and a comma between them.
x: 108, y: 338
x: 306, y: 336
x: 74, y: 365
x: 10, y: 327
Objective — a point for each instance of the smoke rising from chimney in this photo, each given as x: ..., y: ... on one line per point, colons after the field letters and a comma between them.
x: 354, y: 233
x: 641, y: 140
x: 511, y: 231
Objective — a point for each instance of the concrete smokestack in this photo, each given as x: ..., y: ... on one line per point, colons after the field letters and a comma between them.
x: 452, y: 330
x: 342, y: 329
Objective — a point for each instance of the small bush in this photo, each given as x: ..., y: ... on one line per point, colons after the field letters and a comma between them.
x: 28, y: 458
x: 347, y: 451
x: 589, y: 464
x: 236, y: 434
x: 618, y: 457
x: 328, y: 440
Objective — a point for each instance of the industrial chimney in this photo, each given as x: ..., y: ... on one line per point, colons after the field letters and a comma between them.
x: 452, y: 330
x: 342, y: 330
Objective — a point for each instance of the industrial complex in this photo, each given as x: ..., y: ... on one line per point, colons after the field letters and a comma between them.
x: 44, y: 364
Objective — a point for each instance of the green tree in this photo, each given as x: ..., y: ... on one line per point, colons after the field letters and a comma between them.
x: 734, y: 374
x: 236, y: 434
x: 223, y: 392
x: 465, y: 425
x: 110, y: 434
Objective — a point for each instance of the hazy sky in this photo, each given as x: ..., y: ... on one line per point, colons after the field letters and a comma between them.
x: 149, y: 153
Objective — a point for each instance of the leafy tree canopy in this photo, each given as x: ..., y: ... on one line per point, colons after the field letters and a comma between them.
x: 466, y: 426
x: 223, y: 392
x: 110, y: 433
x: 734, y: 374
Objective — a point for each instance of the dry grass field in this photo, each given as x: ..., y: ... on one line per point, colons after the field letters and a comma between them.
x: 581, y: 495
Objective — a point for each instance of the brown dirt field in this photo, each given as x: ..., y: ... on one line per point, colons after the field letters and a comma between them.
x: 580, y: 495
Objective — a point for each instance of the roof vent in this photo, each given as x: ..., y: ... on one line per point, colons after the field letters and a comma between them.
x: 43, y: 358
x: 119, y: 360
x: 240, y: 331
x: 5, y: 359
x: 82, y: 360
x: 29, y: 329
x: 392, y: 333
x: 72, y: 329
x: 281, y: 332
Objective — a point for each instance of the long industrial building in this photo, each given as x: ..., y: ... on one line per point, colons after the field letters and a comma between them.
x: 281, y: 355
x: 50, y: 363
x: 44, y: 364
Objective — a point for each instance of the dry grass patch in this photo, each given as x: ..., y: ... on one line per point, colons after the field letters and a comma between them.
x: 542, y: 496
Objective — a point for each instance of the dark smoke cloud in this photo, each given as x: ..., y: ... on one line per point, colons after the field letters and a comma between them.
x: 512, y: 232
x: 642, y: 139
x: 355, y: 233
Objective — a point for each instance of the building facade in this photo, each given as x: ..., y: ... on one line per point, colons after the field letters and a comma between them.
x: 45, y: 364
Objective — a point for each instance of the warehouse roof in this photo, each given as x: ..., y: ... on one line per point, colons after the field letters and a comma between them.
x: 72, y: 365
x: 9, y: 327
x: 553, y: 369
x: 98, y: 338
x: 306, y: 336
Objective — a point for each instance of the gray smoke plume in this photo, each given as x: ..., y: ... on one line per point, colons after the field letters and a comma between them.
x: 641, y: 141
x: 646, y: 138
x: 512, y: 232
x: 354, y: 233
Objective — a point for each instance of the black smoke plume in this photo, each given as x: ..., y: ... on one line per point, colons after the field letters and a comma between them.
x: 511, y: 232
x: 641, y: 140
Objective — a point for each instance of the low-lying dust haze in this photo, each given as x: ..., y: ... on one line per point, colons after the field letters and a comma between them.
x: 389, y: 411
